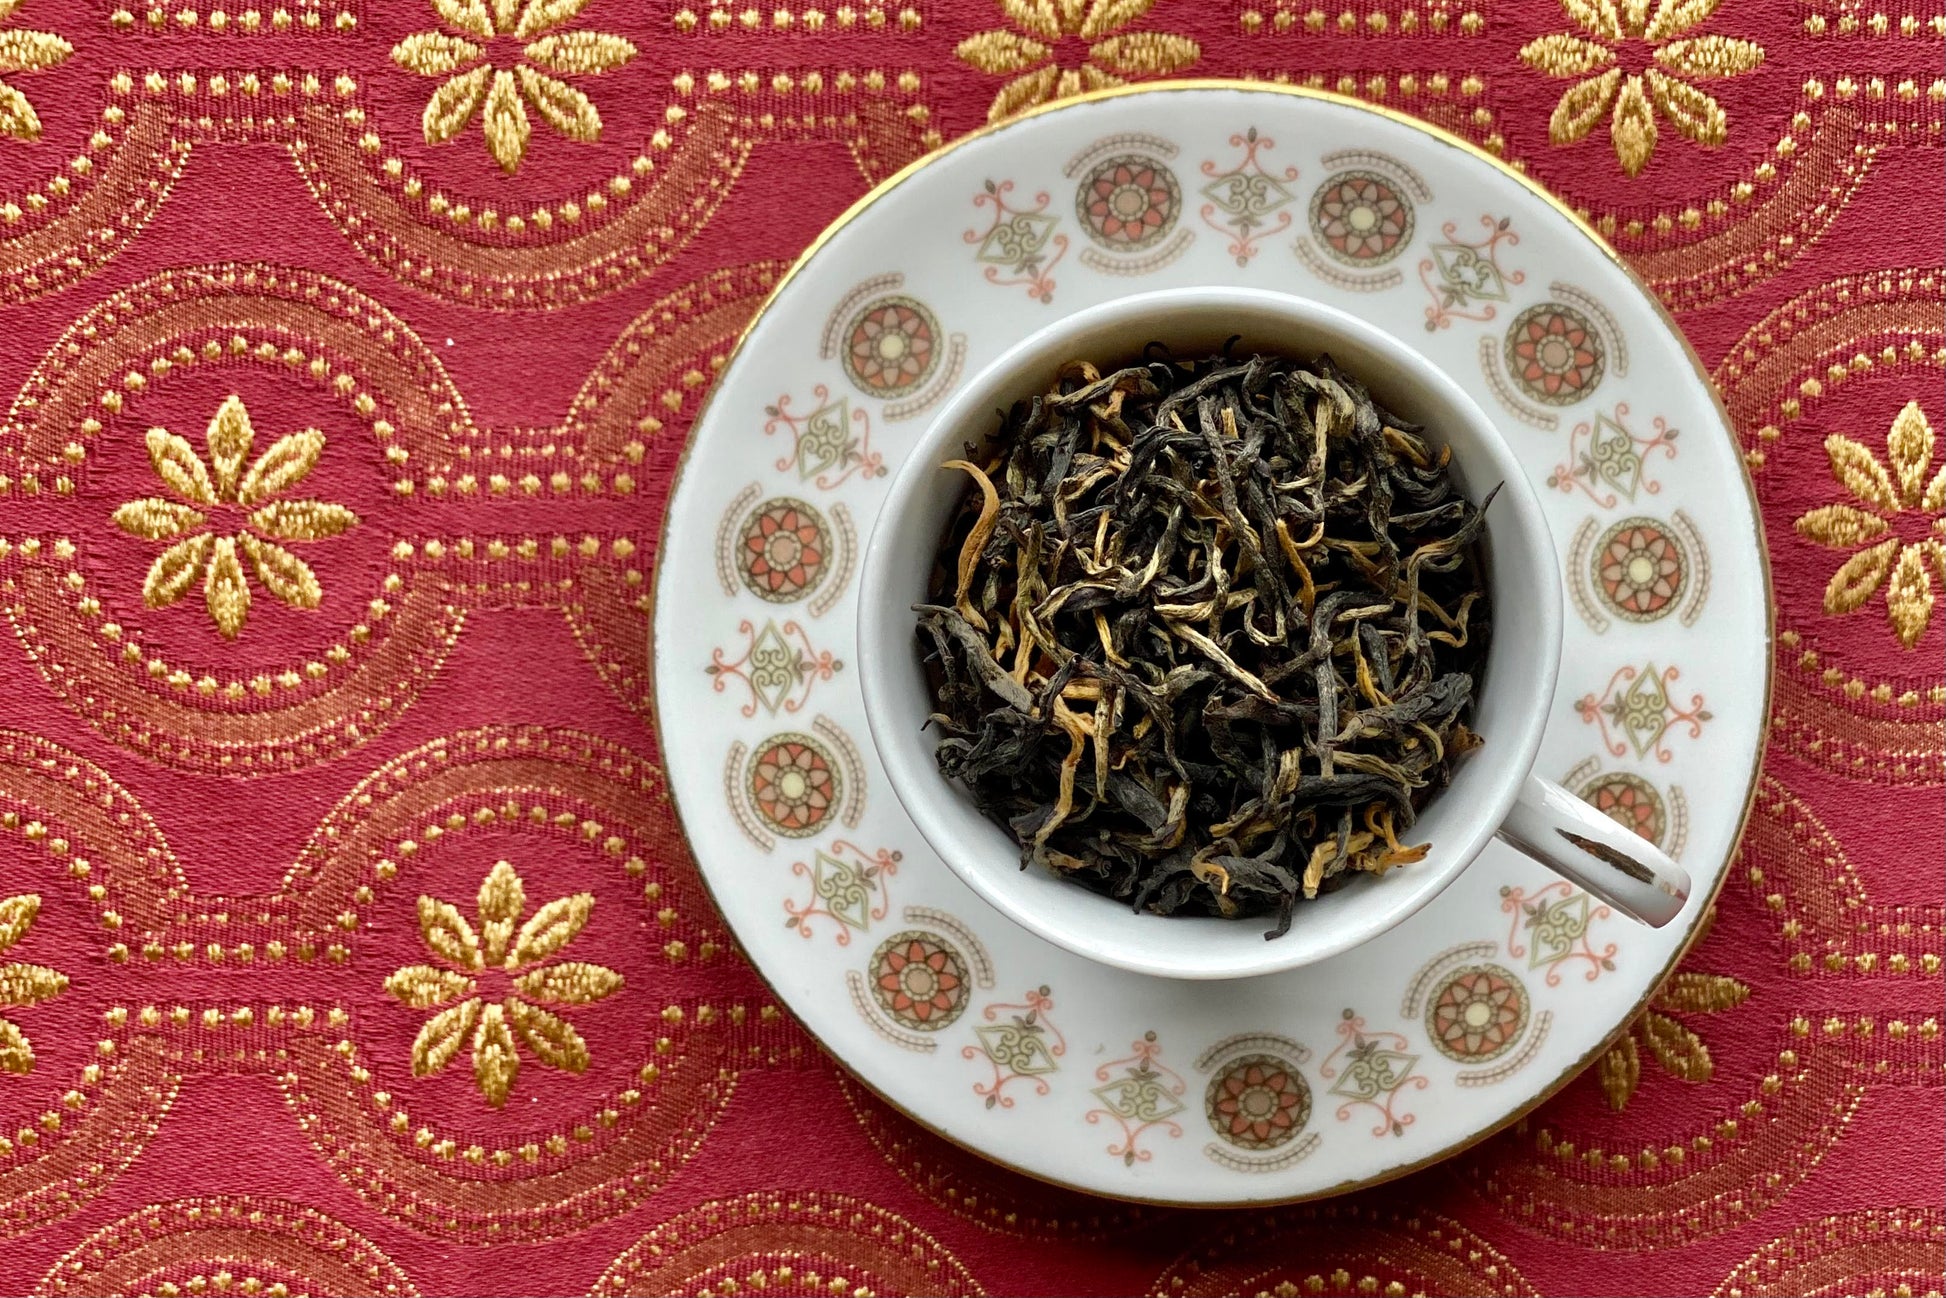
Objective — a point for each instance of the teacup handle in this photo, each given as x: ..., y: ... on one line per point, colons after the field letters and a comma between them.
x: 1593, y: 851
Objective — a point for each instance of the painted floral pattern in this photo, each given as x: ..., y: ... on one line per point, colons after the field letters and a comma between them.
x: 783, y: 549
x: 1372, y: 1070
x: 1554, y: 354
x: 1129, y: 203
x: 1636, y: 710
x: 1258, y: 1102
x: 1245, y: 194
x: 1640, y: 569
x: 1609, y: 462
x: 1362, y: 218
x: 1471, y: 278
x: 1021, y: 241
x: 1477, y: 1014
x: 794, y: 784
x: 1630, y: 801
x: 1139, y: 1093
x: 1019, y: 1041
x: 920, y: 980
x: 892, y: 346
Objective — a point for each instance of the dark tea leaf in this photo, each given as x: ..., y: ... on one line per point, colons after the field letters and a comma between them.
x: 1203, y: 635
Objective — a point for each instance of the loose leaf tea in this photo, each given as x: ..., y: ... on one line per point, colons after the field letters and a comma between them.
x: 1202, y: 635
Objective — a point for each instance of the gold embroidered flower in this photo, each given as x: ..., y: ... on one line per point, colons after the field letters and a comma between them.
x: 1903, y: 518
x: 520, y: 956
x: 1112, y: 55
x: 471, y: 82
x: 200, y: 553
x: 24, y: 51
x: 1680, y: 1052
x: 21, y: 985
x: 1602, y: 82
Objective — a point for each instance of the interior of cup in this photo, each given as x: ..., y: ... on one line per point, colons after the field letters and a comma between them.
x: 1515, y: 686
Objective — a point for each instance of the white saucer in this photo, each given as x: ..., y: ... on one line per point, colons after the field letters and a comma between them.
x: 1348, y: 1072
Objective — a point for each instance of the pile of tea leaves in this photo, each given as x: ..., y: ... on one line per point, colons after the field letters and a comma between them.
x: 1203, y: 634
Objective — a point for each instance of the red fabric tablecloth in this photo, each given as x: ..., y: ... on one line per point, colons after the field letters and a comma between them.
x: 343, y: 393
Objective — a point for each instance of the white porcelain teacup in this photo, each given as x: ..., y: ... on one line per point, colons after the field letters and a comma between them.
x: 1493, y: 791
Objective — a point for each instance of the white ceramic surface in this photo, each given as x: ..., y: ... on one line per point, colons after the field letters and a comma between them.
x: 1360, y: 1066
x: 1517, y: 686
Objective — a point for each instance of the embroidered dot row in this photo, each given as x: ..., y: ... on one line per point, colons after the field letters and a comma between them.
x: 1801, y: 133
x: 75, y: 1100
x: 161, y: 364
x: 1649, y: 1158
x: 304, y: 1018
x: 1865, y: 1025
x: 233, y: 688
x: 542, y: 218
x: 243, y: 953
x: 65, y: 186
x: 151, y: 1016
x: 262, y: 683
x: 248, y: 83
x: 717, y: 82
x: 596, y: 202
x: 393, y: 167
x: 814, y: 82
x: 1854, y: 687
x: 341, y: 654
x: 57, y: 847
x: 600, y: 198
x: 1865, y: 963
x: 1410, y: 85
x: 1878, y: 24
x: 166, y: 1222
x: 845, y: 17
x: 785, y: 1276
x: 1804, y: 310
x: 558, y: 482
x: 1875, y: 88
x: 222, y: 1282
x: 249, y: 21
x: 539, y: 814
x: 1378, y: 22
x: 398, y: 1119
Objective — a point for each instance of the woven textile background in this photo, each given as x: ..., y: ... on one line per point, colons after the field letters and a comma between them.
x: 341, y: 397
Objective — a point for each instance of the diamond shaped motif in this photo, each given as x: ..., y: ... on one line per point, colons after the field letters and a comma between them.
x: 1011, y: 1047
x: 1016, y: 240
x: 826, y: 438
x: 1471, y: 277
x: 845, y: 891
x: 773, y: 667
x: 1138, y: 1097
x: 1555, y: 929
x: 1373, y: 1072
x: 1615, y: 458
x: 1246, y: 195
x: 1642, y: 710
